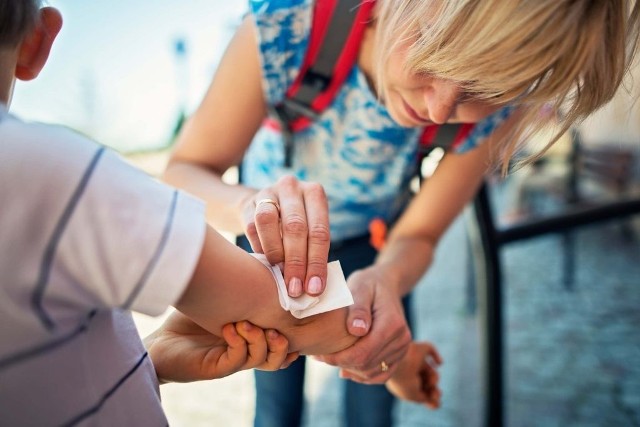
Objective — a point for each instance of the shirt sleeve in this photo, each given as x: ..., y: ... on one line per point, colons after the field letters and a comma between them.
x: 130, y: 241
x: 84, y: 230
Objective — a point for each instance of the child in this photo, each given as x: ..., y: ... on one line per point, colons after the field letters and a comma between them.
x: 492, y: 63
x: 85, y: 239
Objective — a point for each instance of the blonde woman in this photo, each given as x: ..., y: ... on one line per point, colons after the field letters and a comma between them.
x: 494, y: 63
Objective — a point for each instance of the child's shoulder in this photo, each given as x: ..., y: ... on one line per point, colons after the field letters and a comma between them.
x: 42, y: 145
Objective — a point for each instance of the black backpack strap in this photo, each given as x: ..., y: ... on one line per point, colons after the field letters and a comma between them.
x: 446, y: 136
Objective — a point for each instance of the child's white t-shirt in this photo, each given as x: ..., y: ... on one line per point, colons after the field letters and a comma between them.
x: 84, y: 238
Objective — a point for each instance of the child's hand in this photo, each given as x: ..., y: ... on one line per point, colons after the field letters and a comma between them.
x: 268, y: 349
x: 182, y: 351
x: 416, y: 378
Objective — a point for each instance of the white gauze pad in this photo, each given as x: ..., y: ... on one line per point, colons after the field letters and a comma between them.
x: 336, y: 293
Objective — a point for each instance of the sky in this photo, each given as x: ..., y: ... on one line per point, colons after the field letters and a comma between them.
x: 114, y: 72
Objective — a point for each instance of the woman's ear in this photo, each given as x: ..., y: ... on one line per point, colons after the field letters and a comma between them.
x: 34, y: 49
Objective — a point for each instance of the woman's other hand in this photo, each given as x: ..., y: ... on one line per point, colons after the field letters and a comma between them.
x: 378, y: 318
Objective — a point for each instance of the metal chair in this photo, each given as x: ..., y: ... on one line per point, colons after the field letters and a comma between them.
x: 486, y: 241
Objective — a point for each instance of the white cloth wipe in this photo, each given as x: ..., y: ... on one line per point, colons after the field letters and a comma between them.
x: 336, y: 293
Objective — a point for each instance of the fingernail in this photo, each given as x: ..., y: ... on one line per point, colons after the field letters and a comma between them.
x: 272, y: 334
x: 295, y: 287
x: 315, y: 285
x: 247, y: 326
x: 359, y: 323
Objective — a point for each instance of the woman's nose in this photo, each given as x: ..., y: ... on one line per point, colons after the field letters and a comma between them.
x: 441, y: 99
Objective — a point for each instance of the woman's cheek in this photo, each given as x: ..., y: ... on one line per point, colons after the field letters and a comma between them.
x: 474, y: 112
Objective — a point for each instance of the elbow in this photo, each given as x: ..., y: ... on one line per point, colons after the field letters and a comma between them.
x: 174, y: 171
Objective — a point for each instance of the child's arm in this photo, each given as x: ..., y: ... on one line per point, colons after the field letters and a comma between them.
x: 229, y: 285
x: 416, y: 378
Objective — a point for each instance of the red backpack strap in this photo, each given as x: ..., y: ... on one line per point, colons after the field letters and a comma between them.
x: 337, y: 30
x: 334, y: 43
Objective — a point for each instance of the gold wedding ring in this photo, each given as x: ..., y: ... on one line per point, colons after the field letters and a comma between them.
x: 383, y: 366
x: 271, y: 201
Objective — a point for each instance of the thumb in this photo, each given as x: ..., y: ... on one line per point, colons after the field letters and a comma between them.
x: 359, y: 316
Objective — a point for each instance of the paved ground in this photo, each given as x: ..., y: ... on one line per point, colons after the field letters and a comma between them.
x: 573, y: 357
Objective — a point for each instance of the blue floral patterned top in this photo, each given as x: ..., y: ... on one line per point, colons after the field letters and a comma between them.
x: 355, y: 150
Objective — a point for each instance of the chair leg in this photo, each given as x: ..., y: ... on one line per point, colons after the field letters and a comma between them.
x: 471, y: 297
x: 569, y: 264
x: 485, y: 249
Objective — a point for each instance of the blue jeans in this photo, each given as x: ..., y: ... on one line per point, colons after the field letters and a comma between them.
x: 280, y: 394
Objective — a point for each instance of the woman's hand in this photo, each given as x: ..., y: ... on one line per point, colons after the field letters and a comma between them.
x: 416, y: 378
x: 182, y: 351
x: 289, y: 223
x: 378, y: 317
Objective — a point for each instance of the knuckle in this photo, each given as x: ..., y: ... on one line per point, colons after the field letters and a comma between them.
x: 359, y: 358
x: 407, y: 337
x: 319, y: 234
x: 288, y: 182
x: 315, y: 189
x: 295, y: 262
x: 317, y: 265
x: 254, y: 334
x: 250, y: 229
x: 274, y: 255
x: 294, y: 224
x: 398, y: 325
x: 257, y: 358
x: 264, y: 216
x: 278, y: 345
x: 403, y: 332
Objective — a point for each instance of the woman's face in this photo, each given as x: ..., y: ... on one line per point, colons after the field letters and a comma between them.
x: 415, y: 99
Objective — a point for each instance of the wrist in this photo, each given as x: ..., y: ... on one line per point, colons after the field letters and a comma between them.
x: 148, y: 343
x: 405, y: 260
x: 389, y: 276
x: 149, y: 340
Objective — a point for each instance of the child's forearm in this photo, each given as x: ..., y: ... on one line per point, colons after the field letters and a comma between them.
x: 229, y: 285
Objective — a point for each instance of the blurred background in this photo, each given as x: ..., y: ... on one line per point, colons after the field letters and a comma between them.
x: 127, y: 73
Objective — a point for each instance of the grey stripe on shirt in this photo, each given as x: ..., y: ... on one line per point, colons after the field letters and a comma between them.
x: 156, y: 256
x: 50, y: 250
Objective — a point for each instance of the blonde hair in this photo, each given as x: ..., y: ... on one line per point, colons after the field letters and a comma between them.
x: 569, y: 55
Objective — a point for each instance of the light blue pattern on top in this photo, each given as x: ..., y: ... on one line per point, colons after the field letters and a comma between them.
x: 355, y: 150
